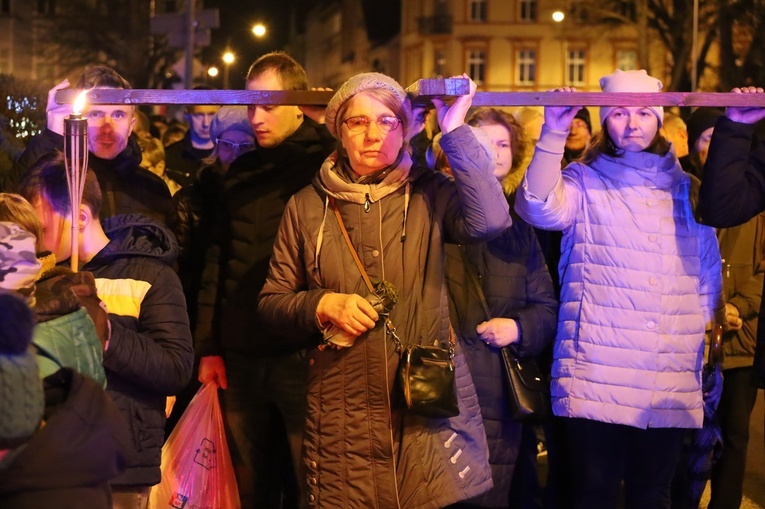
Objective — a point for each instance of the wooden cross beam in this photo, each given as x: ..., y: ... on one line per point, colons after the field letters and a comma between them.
x: 421, y: 92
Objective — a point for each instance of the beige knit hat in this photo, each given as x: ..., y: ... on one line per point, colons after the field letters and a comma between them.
x: 630, y: 81
x: 359, y: 83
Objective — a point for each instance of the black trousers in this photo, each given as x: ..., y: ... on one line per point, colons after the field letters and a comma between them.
x: 602, y: 455
x: 735, y: 408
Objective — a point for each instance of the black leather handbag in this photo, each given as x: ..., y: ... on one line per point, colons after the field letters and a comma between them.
x: 528, y: 392
x: 424, y: 381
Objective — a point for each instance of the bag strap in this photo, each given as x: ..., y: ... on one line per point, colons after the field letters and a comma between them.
x: 350, y: 246
x: 474, y: 279
x: 389, y: 327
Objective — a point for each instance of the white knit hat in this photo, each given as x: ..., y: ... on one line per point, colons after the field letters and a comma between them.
x: 630, y: 81
x: 355, y: 85
x: 231, y: 118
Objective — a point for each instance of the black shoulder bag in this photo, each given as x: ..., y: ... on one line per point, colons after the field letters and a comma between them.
x: 528, y: 393
x: 425, y: 376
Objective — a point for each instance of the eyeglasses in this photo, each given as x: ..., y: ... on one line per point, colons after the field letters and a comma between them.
x: 361, y: 124
x: 230, y: 145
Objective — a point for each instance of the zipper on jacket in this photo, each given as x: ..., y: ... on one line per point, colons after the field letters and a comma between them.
x: 390, y: 420
x: 367, y: 203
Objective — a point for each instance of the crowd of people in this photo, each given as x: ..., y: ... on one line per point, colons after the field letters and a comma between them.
x: 245, y: 247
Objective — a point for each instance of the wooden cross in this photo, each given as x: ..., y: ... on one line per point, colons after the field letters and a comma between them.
x: 421, y: 92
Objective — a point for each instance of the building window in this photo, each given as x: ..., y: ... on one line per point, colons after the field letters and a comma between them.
x: 478, y: 13
x: 5, y: 61
x: 626, y: 60
x: 5, y: 7
x: 476, y: 64
x: 439, y: 63
x: 46, y: 7
x: 526, y: 67
x: 528, y: 10
x: 575, y: 65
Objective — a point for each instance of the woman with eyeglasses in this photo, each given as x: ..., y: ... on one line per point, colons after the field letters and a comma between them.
x: 361, y: 449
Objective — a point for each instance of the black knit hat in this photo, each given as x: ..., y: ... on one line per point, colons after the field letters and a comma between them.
x: 584, y: 114
x: 699, y: 121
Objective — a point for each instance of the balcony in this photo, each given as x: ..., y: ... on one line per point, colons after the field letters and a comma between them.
x: 435, y: 25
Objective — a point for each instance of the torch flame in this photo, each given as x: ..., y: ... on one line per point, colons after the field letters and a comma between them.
x: 79, y: 103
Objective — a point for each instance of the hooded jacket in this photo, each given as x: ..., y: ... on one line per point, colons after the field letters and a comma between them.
x: 126, y: 187
x: 640, y: 279
x: 149, y: 355
x: 69, y: 462
x: 358, y: 451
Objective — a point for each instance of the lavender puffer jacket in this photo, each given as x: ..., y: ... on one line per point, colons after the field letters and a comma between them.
x: 640, y: 280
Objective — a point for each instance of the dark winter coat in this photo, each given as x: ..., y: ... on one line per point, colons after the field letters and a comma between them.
x: 516, y: 284
x: 358, y: 451
x: 126, y: 187
x: 68, y: 463
x: 733, y: 192
x: 257, y: 187
x: 149, y: 355
x: 182, y: 160
x: 197, y: 204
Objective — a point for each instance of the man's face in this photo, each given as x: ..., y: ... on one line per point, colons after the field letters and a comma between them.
x: 578, y: 136
x: 57, y: 229
x: 702, y: 144
x: 272, y: 124
x: 109, y: 128
x: 200, y: 118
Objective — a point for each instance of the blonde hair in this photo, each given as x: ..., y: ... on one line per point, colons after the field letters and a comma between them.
x: 15, y: 209
x: 152, y: 149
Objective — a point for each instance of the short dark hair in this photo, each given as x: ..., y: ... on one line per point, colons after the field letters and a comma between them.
x: 47, y: 179
x: 101, y: 76
x: 290, y: 73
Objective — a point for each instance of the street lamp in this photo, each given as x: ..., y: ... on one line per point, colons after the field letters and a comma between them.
x: 228, y: 59
x: 258, y: 30
x: 212, y: 71
x: 558, y: 16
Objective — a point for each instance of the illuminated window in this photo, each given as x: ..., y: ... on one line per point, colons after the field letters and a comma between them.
x: 528, y: 10
x: 478, y: 11
x: 575, y: 67
x: 476, y: 64
x: 626, y: 60
x: 526, y: 67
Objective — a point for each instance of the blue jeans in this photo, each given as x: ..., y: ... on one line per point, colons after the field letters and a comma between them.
x: 264, y: 412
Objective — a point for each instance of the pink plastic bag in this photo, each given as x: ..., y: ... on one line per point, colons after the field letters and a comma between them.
x: 196, y: 464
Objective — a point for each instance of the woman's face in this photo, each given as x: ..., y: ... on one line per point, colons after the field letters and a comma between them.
x: 372, y: 148
x: 632, y: 128
x: 232, y: 144
x: 702, y: 144
x: 500, y: 139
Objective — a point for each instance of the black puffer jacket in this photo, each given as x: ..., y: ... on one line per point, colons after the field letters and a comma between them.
x: 127, y: 188
x: 256, y: 190
x: 149, y: 355
x: 197, y: 206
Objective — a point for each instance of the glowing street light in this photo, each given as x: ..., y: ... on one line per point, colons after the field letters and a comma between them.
x: 212, y: 71
x: 259, y: 30
x: 558, y: 16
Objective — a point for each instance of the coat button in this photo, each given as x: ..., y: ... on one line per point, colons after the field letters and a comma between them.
x: 311, y: 498
x: 375, y: 253
x: 313, y: 464
x: 311, y: 362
